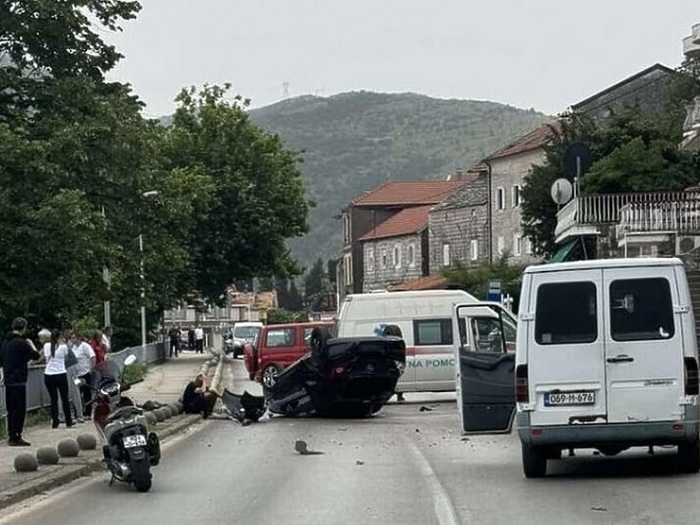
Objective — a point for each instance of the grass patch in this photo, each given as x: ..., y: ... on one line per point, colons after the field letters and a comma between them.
x: 38, y: 416
x: 134, y: 373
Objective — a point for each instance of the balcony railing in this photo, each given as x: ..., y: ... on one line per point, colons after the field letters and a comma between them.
x: 680, y: 217
x: 598, y: 210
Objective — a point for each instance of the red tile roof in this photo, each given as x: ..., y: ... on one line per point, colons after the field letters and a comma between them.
x: 537, y: 138
x: 409, y: 193
x: 405, y: 222
x: 429, y: 282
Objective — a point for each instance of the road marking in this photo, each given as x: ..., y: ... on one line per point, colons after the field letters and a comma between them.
x: 442, y: 504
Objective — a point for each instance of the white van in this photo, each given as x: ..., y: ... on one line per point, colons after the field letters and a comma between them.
x: 606, y: 358
x: 425, y: 320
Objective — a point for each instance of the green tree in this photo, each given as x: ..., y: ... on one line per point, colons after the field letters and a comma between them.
x: 296, y: 302
x: 258, y: 201
x: 475, y: 280
x: 316, y: 287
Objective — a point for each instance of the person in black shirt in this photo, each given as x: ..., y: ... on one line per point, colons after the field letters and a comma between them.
x: 197, y: 398
x: 15, y: 354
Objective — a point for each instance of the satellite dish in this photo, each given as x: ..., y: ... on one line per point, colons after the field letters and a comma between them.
x: 577, y: 159
x: 562, y: 191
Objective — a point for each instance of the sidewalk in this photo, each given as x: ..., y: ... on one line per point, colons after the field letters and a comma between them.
x: 163, y: 383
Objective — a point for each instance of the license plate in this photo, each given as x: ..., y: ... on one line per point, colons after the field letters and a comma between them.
x: 138, y: 440
x: 552, y: 399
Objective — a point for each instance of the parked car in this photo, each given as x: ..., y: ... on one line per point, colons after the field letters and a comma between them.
x: 606, y: 358
x: 277, y: 347
x: 241, y: 334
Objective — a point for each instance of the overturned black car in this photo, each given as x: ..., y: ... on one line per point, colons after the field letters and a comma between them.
x: 348, y: 378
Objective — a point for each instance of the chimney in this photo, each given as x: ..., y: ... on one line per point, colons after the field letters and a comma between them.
x: 460, y: 174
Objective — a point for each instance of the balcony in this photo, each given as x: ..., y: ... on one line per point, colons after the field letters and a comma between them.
x: 584, y: 215
x: 691, y: 44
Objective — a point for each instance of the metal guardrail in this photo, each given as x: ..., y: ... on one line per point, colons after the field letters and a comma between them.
x: 38, y: 397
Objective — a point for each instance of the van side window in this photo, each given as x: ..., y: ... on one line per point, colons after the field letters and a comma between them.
x: 429, y: 332
x: 566, y: 313
x: 641, y: 309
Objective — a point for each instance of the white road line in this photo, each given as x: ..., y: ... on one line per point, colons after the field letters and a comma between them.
x: 442, y: 504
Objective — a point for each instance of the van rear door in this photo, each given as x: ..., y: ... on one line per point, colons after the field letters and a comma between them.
x: 565, y: 351
x: 643, y: 344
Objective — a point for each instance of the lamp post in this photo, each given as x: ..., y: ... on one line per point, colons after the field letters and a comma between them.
x: 146, y: 194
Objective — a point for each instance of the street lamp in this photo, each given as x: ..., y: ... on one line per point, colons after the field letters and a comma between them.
x: 147, y: 194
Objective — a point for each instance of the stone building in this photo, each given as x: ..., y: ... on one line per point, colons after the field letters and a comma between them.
x: 370, y: 210
x: 396, y: 250
x: 458, y: 226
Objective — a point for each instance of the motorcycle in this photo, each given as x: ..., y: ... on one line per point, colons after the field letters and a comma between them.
x: 128, y: 449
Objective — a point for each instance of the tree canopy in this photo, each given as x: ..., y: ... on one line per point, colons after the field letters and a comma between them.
x: 84, y: 176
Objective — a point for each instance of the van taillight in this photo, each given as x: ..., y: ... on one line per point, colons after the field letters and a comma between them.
x: 691, y: 376
x: 522, y: 392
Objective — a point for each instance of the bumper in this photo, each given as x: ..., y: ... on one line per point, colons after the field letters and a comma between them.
x: 596, y: 435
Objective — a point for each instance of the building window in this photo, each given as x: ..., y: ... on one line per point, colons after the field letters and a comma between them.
x: 517, y: 245
x: 346, y: 228
x: 383, y: 259
x: 516, y: 196
x: 411, y: 255
x: 528, y: 246
x: 475, y: 249
x: 501, y: 245
x: 370, y: 260
x: 500, y: 199
x: 397, y: 256
x: 347, y: 269
x: 445, y: 254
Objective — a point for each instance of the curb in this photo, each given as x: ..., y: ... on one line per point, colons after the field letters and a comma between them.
x: 68, y: 474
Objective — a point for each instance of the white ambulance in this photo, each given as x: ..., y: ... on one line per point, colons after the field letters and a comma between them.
x: 606, y: 358
x: 425, y: 320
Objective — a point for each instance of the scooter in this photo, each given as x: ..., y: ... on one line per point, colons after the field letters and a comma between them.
x: 128, y: 448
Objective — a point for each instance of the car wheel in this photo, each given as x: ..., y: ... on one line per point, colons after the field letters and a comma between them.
x: 688, y: 457
x: 270, y: 375
x: 534, y: 461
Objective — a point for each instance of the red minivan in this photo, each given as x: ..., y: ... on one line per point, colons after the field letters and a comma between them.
x: 276, y: 347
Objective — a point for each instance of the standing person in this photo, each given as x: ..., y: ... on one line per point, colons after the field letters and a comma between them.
x: 15, y: 355
x: 56, y: 378
x: 96, y: 345
x: 86, y: 365
x: 174, y: 335
x: 107, y: 339
x: 190, y: 338
x: 74, y: 394
x: 199, y: 339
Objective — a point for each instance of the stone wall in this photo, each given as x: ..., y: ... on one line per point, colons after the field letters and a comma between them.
x: 459, y: 220
x: 380, y: 269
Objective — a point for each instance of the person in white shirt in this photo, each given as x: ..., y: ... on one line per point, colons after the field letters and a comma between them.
x: 56, y: 378
x: 199, y: 339
x: 86, y: 364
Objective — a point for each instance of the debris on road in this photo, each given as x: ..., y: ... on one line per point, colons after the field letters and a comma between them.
x: 425, y: 409
x: 600, y: 509
x: 302, y: 448
x: 359, y: 462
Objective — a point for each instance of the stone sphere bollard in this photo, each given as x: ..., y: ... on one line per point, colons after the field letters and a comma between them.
x: 180, y: 407
x: 26, y: 462
x: 151, y: 418
x: 160, y: 416
x: 87, y: 442
x: 47, y: 456
x: 68, y: 448
x: 166, y: 412
x: 174, y: 410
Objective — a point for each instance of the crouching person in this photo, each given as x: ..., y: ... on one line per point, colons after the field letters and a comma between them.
x: 198, y: 398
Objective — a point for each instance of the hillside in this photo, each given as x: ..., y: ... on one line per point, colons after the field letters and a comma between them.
x: 355, y: 141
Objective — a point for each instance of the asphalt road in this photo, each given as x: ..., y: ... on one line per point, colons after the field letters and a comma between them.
x: 404, y: 466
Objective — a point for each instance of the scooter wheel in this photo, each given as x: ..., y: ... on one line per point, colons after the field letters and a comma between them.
x: 141, y: 475
x: 153, y: 449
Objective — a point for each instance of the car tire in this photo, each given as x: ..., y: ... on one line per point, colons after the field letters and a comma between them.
x: 270, y: 375
x: 688, y: 457
x: 534, y: 461
x: 553, y: 453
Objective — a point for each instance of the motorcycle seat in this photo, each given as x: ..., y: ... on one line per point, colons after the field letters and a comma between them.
x: 127, y: 411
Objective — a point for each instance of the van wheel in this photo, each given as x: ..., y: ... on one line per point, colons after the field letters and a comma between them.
x: 534, y: 461
x: 688, y: 457
x: 553, y: 453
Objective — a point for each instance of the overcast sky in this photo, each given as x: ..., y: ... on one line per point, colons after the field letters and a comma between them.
x: 544, y: 54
